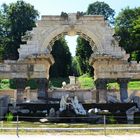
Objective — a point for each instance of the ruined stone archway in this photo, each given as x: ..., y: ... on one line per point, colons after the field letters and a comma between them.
x: 108, y: 59
x: 106, y: 51
x: 92, y: 28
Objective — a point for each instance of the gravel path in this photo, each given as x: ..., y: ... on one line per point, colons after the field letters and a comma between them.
x: 69, y: 137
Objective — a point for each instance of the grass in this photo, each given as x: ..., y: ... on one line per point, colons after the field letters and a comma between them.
x: 134, y: 85
x: 85, y: 81
x: 23, y: 128
x: 27, y: 124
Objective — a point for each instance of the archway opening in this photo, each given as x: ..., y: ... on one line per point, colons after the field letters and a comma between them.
x: 71, y: 55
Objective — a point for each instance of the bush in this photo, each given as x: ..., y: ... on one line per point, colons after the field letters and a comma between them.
x: 112, y: 120
x: 4, y: 84
x: 86, y: 81
x: 9, y: 116
x: 32, y: 84
x: 57, y: 82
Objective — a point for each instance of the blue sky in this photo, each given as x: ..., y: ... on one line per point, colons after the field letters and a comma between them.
x: 55, y: 7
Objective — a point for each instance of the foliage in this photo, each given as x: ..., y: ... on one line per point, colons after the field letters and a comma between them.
x: 127, y: 26
x: 4, y: 84
x: 112, y: 120
x: 17, y: 18
x: 12, y: 84
x: 32, y: 84
x: 86, y: 81
x: 76, y: 69
x: 9, y: 116
x: 113, y: 86
x: 62, y: 57
x: 133, y: 85
x: 101, y: 8
x: 3, y: 31
x: 57, y: 82
x: 83, y: 53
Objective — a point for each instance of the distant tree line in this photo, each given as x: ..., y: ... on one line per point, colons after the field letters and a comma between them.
x: 16, y: 18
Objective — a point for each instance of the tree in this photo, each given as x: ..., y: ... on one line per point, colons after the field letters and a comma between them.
x: 83, y: 53
x: 83, y: 50
x: 127, y: 27
x: 3, y: 29
x: 19, y: 17
x: 101, y: 8
x: 76, y: 68
x: 62, y: 57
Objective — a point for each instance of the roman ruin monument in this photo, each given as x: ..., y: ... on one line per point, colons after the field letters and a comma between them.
x: 108, y: 59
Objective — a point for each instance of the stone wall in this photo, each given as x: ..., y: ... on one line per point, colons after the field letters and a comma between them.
x: 84, y: 96
x: 10, y: 93
x: 110, y: 68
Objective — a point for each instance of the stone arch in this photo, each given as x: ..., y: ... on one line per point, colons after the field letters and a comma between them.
x: 50, y: 28
x: 59, y: 32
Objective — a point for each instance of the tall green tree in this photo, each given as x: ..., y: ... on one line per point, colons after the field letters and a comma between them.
x: 76, y: 68
x: 83, y: 49
x: 3, y: 29
x: 83, y: 53
x: 101, y: 8
x: 63, y: 60
x: 127, y: 26
x: 19, y: 17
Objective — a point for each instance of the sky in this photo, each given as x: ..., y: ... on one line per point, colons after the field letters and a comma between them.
x: 55, y: 7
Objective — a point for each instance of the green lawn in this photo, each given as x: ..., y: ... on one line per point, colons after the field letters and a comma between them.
x: 23, y: 128
x: 85, y: 81
x: 134, y: 85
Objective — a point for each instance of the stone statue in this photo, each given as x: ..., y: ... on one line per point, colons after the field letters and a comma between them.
x: 130, y: 114
x: 134, y: 98
x: 112, y: 99
x: 78, y: 108
x: 52, y: 112
x: 68, y: 103
x: 64, y: 84
x: 63, y: 102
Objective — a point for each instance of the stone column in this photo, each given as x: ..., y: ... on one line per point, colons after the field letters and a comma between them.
x: 42, y: 84
x: 123, y: 83
x: 101, y: 90
x: 20, y: 86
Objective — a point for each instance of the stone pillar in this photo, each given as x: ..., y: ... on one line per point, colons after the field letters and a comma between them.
x: 101, y: 90
x: 20, y: 86
x: 42, y: 84
x: 123, y: 83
